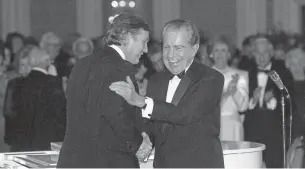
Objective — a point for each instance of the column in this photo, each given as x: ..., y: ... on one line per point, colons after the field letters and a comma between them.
x: 89, y: 17
x: 287, y: 14
x: 164, y: 11
x: 15, y: 16
x: 250, y: 17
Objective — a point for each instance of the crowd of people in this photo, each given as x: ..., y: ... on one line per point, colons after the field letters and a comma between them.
x: 34, y: 76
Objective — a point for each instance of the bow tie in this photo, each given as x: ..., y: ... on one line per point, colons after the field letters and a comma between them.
x: 180, y: 75
x: 263, y: 71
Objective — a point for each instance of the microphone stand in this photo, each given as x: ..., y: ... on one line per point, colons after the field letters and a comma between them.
x: 283, y: 127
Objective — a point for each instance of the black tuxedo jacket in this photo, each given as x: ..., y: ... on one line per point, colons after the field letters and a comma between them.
x: 40, y: 112
x: 103, y: 130
x: 186, y: 131
x: 10, y: 109
x: 264, y: 125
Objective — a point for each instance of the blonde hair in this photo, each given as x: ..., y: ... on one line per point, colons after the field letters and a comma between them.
x: 37, y: 56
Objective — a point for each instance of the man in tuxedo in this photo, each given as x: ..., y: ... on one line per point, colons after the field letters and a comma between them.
x: 184, y: 110
x: 40, y: 107
x: 103, y: 131
x: 263, y: 121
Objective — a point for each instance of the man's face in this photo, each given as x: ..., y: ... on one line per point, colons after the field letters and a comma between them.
x: 177, y: 51
x: 262, y: 53
x: 52, y: 48
x: 136, y: 46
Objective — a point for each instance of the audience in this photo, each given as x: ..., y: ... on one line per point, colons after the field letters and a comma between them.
x: 248, y: 92
x: 41, y: 106
x: 235, y: 91
x: 263, y: 120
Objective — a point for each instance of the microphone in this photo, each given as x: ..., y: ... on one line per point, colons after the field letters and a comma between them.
x: 278, y: 82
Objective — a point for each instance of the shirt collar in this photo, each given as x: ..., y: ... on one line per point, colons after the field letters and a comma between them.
x: 267, y: 67
x: 40, y: 70
x: 121, y: 53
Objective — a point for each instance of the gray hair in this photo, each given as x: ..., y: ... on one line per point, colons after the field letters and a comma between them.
x: 49, y: 37
x: 190, y: 27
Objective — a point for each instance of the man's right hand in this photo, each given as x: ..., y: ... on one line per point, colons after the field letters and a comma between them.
x: 126, y: 89
x: 257, y: 94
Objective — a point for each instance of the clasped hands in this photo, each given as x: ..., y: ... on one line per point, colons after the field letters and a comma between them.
x: 257, y: 94
x: 126, y: 89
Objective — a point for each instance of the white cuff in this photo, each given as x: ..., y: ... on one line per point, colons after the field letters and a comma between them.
x: 146, y: 113
x: 271, y: 104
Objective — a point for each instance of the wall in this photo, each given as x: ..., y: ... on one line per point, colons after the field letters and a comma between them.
x: 53, y: 15
x: 143, y: 8
x: 212, y: 16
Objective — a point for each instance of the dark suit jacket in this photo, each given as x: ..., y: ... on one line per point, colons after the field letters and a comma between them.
x: 191, y: 135
x: 40, y: 112
x: 10, y: 109
x: 103, y: 130
x: 264, y: 125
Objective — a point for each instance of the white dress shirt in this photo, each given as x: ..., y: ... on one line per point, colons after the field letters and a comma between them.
x: 262, y: 79
x: 40, y: 70
x: 119, y: 50
x: 171, y: 89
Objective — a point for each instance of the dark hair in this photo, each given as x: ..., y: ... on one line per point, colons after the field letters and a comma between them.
x: 191, y: 28
x: 121, y: 26
x: 153, y: 48
x: 248, y: 40
x: 10, y: 37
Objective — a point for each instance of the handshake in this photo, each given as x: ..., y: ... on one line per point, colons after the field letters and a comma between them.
x: 145, y: 150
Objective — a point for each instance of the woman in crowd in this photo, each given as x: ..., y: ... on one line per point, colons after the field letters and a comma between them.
x: 14, y: 43
x: 235, y: 92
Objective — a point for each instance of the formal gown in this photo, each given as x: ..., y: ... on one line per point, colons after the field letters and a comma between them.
x: 231, y: 106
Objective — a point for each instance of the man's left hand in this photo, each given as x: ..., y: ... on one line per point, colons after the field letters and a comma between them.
x: 127, y: 91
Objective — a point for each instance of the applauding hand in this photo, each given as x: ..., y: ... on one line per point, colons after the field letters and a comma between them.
x: 232, y: 87
x: 257, y: 94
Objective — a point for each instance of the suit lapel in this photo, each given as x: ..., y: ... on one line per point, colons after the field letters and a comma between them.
x: 181, y: 89
x: 191, y: 77
x: 252, y: 81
